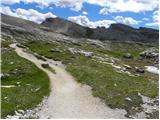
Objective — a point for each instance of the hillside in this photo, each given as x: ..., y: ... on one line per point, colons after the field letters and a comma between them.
x: 59, y: 69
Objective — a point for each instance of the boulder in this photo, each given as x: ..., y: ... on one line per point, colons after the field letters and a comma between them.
x: 128, y: 56
x: 139, y: 70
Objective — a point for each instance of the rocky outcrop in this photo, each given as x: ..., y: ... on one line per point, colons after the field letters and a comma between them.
x: 65, y: 27
x: 150, y: 53
x: 116, y: 32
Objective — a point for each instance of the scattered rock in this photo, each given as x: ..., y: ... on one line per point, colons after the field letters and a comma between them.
x: 150, y: 53
x: 77, y: 50
x: 128, y: 56
x: 127, y: 67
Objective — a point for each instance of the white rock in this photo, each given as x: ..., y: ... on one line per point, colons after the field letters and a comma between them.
x: 11, y: 63
x: 129, y: 99
x: 152, y: 69
x: 7, y: 86
x: 21, y: 111
x: 2, y: 75
x: 5, y: 97
x: 115, y: 84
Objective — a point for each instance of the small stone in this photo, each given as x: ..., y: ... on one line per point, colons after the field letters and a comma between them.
x: 21, y: 111
x: 5, y: 97
x: 11, y: 63
x: 115, y: 84
x: 129, y: 99
x: 127, y: 67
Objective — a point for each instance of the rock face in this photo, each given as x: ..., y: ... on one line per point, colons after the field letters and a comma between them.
x: 65, y: 27
x: 116, y: 32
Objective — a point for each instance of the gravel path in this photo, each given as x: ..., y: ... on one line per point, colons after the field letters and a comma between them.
x: 69, y: 99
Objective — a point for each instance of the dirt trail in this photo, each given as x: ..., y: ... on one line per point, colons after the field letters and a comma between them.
x: 69, y: 99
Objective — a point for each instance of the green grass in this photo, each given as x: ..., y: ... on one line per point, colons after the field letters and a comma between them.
x: 31, y: 83
x: 101, y: 77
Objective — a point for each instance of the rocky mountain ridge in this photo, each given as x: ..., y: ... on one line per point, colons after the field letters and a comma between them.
x: 116, y: 32
x: 60, y: 28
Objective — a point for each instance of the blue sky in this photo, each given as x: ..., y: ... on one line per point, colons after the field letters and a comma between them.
x: 92, y: 13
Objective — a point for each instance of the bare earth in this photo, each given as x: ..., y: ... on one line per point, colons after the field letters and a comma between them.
x: 69, y: 99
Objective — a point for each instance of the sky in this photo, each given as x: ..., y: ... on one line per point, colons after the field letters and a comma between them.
x: 91, y: 13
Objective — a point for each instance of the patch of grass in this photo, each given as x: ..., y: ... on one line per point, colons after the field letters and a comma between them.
x: 111, y: 86
x: 106, y: 83
x: 31, y: 84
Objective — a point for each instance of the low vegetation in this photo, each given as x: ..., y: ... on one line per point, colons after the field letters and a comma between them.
x: 30, y: 84
x: 113, y: 87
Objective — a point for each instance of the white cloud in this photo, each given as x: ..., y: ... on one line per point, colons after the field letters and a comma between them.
x: 10, y: 1
x: 155, y: 19
x: 156, y: 15
x: 30, y: 14
x: 109, y: 5
x: 84, y: 13
x: 145, y: 19
x: 126, y: 20
x: 129, y: 6
x: 84, y: 21
x: 105, y: 11
x: 152, y: 24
